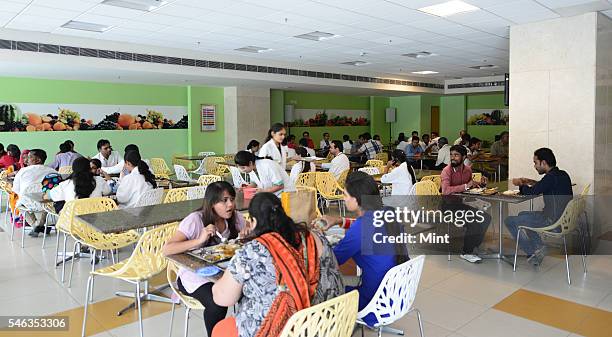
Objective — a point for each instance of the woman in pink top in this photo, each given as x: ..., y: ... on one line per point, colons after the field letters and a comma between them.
x: 217, y: 218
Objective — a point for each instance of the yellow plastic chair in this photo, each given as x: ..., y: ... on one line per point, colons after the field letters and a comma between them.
x: 329, y: 189
x: 65, y: 170
x: 567, y: 224
x: 308, y: 179
x: 342, y: 178
x: 160, y: 168
x: 427, y: 187
x: 176, y: 195
x: 187, y: 164
x: 84, y: 234
x: 435, y: 178
x: 333, y: 318
x: 383, y: 156
x: 145, y: 262
x: 207, y: 179
x: 375, y: 163
x: 211, y: 165
x: 229, y: 157
x: 189, y: 302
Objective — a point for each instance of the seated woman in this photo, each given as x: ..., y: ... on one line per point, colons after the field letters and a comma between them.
x: 361, y: 196
x: 265, y: 174
x: 136, y: 182
x: 81, y: 184
x: 9, y: 157
x: 402, y: 177
x: 301, y: 166
x: 251, y: 280
x: 217, y: 217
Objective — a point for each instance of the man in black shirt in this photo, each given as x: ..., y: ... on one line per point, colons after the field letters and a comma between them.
x: 556, y: 187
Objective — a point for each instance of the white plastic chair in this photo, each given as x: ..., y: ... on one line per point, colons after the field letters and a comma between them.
x: 201, y: 169
x: 196, y: 192
x: 237, y: 178
x: 24, y: 205
x: 181, y: 173
x: 395, y: 297
x: 370, y: 170
x: 151, y: 197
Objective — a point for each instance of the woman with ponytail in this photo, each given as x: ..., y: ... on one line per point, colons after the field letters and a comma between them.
x: 303, y: 259
x: 273, y: 147
x: 139, y: 180
x: 399, y: 174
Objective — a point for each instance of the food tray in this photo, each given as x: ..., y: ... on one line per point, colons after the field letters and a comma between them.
x: 215, y: 254
x: 482, y: 191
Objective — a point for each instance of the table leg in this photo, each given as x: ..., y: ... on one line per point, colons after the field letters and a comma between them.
x: 145, y: 296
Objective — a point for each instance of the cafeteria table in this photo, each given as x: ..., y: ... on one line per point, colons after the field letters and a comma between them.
x: 501, y: 199
x: 126, y: 219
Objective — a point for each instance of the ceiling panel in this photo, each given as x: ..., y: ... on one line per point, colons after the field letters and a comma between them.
x: 75, y: 5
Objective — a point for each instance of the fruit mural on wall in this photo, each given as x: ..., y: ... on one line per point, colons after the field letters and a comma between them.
x: 322, y: 119
x: 11, y: 119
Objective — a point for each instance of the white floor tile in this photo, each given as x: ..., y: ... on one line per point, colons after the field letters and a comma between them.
x: 500, y: 324
x: 445, y: 310
x: 475, y: 288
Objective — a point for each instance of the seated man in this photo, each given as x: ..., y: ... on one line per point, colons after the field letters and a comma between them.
x: 413, y: 151
x: 556, y: 186
x: 106, y: 155
x: 369, y: 147
x: 457, y: 177
x: 443, y: 154
x: 340, y: 163
x: 32, y: 174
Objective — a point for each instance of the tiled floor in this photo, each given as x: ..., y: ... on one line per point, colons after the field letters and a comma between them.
x: 455, y: 298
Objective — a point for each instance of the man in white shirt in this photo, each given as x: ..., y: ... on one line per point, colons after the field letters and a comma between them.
x: 459, y: 140
x: 443, y: 153
x: 120, y: 166
x: 32, y: 174
x: 325, y: 142
x: 265, y: 174
x: 340, y: 163
x: 347, y: 145
x: 106, y: 155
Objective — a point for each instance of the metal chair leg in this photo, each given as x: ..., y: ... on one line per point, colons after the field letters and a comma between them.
x: 171, y: 319
x: 23, y: 227
x: 584, y: 252
x: 45, y: 230
x: 518, y: 238
x: 187, y: 321
x: 13, y: 225
x: 569, y: 280
x: 64, y: 258
x: 74, y: 252
x: 56, y: 248
x: 139, y: 307
x: 89, y: 279
x: 420, y: 322
x: 93, y: 265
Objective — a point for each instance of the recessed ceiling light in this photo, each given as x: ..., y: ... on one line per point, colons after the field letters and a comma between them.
x: 253, y: 49
x: 419, y: 55
x: 88, y: 26
x: 487, y: 66
x: 425, y: 72
x: 141, y: 5
x: 355, y: 63
x: 317, y: 36
x: 449, y: 8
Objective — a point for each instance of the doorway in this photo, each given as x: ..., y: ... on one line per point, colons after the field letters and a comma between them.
x: 435, y: 119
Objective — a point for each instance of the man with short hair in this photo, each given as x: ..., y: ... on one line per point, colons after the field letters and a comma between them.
x: 458, y: 140
x: 304, y: 143
x: 457, y: 178
x: 340, y: 163
x: 556, y: 186
x: 501, y: 147
x: 443, y: 153
x: 106, y: 155
x: 324, y: 144
x: 309, y: 141
x: 473, y: 150
x: 369, y: 147
x: 33, y: 174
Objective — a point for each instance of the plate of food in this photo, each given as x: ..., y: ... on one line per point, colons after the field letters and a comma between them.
x: 482, y: 191
x: 511, y: 192
x: 217, y: 253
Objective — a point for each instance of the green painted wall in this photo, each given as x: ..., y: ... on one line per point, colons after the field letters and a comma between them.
x: 311, y: 100
x: 153, y: 143
x: 452, y: 116
x: 205, y: 140
x: 335, y: 132
x: 277, y: 106
x: 427, y: 101
x: 407, y: 116
x: 29, y: 90
x: 486, y: 101
x: 378, y: 126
